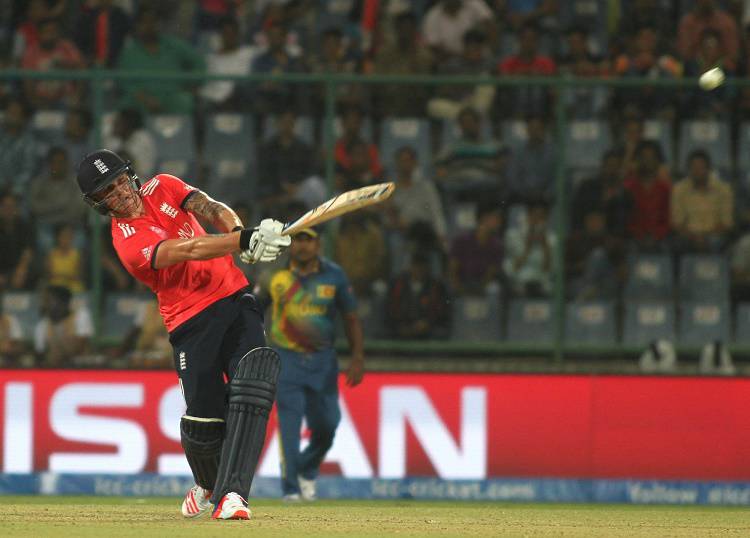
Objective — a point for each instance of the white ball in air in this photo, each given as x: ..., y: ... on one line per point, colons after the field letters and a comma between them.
x: 711, y: 79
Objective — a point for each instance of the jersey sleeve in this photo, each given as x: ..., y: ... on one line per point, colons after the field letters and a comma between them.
x: 345, y: 300
x: 175, y: 189
x: 137, y: 251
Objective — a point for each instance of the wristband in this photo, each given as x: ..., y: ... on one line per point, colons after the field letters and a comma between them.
x: 245, y: 235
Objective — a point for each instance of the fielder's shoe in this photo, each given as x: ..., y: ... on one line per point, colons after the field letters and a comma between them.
x: 196, y: 502
x: 291, y: 498
x: 231, y: 506
x: 307, y: 488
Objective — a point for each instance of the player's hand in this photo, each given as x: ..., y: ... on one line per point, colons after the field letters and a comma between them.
x: 266, y: 242
x: 356, y: 371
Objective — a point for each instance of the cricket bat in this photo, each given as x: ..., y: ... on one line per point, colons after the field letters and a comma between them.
x: 345, y: 202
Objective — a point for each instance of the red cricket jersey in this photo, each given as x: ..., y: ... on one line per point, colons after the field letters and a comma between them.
x: 183, y: 289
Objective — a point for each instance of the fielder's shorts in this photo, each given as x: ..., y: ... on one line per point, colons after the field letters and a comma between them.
x: 208, y: 346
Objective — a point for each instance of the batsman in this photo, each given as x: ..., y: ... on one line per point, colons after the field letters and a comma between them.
x: 227, y: 374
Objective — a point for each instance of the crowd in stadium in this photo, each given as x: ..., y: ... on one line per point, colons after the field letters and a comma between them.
x: 649, y: 170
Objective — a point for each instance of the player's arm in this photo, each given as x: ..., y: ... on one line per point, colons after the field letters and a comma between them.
x: 220, y: 215
x: 353, y: 329
x: 263, y: 243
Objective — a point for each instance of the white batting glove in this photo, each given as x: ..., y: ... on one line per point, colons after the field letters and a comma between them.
x: 266, y: 242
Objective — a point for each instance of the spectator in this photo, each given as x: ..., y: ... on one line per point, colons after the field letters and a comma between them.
x: 706, y: 14
x: 64, y: 263
x: 359, y: 173
x: 594, y: 258
x: 404, y: 56
x: 27, y: 32
x: 18, y: 148
x: 16, y: 244
x: 232, y: 58
x: 702, y: 208
x: 700, y: 103
x: 54, y: 198
x: 351, y: 124
x: 414, y: 200
x: 474, y: 61
x: 640, y: 13
x: 153, y: 51
x: 274, y: 97
x: 518, y: 13
x: 114, y: 276
x: 148, y: 344
x: 740, y: 267
x: 286, y: 165
x: 63, y: 332
x: 529, y: 263
x: 446, y: 22
x: 11, y: 336
x: 52, y: 52
x: 130, y: 135
x: 646, y: 59
x: 360, y: 250
x: 418, y: 304
x: 633, y: 133
x: 100, y: 32
x: 580, y: 61
x: 527, y: 62
x: 471, y: 164
x: 605, y: 194
x: 336, y: 57
x: 77, y: 135
x: 648, y: 223
x: 534, y: 164
x: 476, y: 257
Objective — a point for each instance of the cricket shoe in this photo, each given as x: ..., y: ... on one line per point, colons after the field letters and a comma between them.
x: 196, y: 502
x: 307, y: 488
x: 231, y: 506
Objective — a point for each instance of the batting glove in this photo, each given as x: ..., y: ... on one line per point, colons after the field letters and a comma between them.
x: 263, y: 243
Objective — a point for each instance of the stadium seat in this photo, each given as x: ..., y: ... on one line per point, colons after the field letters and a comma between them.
x: 704, y: 277
x: 371, y: 311
x: 646, y: 321
x: 477, y: 318
x: 586, y: 142
x: 303, y: 128
x: 590, y: 323
x: 397, y: 132
x: 702, y: 322
x: 175, y: 142
x: 122, y: 312
x: 49, y: 125
x: 743, y: 157
x: 712, y: 136
x: 650, y: 276
x: 514, y: 133
x: 530, y: 320
x: 230, y: 155
x: 24, y: 306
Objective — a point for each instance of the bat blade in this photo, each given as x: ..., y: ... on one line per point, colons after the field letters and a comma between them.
x: 345, y: 202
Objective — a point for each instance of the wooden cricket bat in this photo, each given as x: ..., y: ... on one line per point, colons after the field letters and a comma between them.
x: 343, y: 203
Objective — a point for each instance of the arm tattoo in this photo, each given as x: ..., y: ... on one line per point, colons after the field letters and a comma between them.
x: 204, y: 206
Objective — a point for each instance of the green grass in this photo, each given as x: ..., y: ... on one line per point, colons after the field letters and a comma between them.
x: 142, y: 518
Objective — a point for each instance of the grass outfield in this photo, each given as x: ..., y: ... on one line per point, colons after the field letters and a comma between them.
x: 143, y: 518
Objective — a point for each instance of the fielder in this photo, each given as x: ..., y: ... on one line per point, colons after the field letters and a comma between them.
x: 214, y: 322
x: 305, y: 297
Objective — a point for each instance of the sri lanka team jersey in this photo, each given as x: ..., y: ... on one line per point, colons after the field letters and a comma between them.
x: 183, y: 289
x: 304, y: 307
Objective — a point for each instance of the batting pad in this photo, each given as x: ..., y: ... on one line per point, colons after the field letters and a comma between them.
x: 202, y: 439
x: 251, y: 394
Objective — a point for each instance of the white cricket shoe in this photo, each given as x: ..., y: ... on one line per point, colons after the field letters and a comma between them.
x: 232, y: 506
x: 307, y: 488
x: 291, y: 498
x: 197, y: 502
